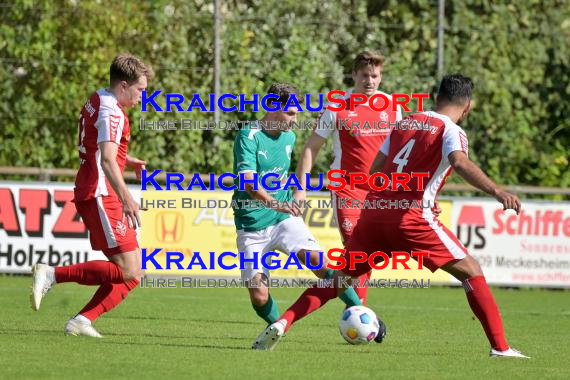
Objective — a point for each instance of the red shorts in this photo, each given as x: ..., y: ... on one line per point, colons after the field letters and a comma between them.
x: 346, y: 217
x: 403, y: 230
x: 103, y: 217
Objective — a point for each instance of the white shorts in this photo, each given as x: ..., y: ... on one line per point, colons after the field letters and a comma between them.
x: 290, y: 235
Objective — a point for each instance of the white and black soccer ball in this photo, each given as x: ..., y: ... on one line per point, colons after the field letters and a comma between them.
x: 358, y: 325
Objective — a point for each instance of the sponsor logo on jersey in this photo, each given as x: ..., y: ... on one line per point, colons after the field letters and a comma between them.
x: 354, y: 133
x: 347, y: 225
x: 288, y: 151
x: 121, y: 229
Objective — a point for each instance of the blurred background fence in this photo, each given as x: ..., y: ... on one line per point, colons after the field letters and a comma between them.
x: 53, y: 54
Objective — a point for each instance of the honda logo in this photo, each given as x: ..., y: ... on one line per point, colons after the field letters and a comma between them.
x: 169, y: 227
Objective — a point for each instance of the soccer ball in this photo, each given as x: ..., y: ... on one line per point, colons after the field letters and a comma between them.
x: 358, y: 325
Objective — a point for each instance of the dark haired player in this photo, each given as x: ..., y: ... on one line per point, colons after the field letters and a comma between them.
x: 260, y: 148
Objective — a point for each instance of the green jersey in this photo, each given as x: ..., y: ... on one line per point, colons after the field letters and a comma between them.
x: 257, y: 151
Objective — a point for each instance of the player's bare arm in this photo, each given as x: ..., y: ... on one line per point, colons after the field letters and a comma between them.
x: 262, y: 195
x: 476, y: 177
x: 306, y: 162
x: 378, y: 163
x: 113, y: 174
x: 136, y: 165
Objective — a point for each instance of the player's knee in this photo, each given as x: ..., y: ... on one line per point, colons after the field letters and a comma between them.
x: 302, y: 256
x: 474, y: 268
x: 314, y: 257
x: 468, y: 267
x: 131, y: 272
x: 259, y: 298
x: 129, y: 276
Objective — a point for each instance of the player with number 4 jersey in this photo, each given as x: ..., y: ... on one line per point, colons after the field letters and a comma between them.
x: 436, y: 151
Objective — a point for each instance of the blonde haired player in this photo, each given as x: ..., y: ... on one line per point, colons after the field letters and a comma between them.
x: 354, y: 150
x: 103, y: 200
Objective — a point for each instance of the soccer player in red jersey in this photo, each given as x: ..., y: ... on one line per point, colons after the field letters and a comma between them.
x: 103, y: 200
x: 355, y: 145
x: 437, y: 150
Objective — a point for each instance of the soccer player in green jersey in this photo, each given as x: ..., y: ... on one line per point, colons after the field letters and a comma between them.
x: 261, y: 148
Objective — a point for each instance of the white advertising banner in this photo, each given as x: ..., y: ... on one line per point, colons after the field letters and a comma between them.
x: 39, y: 223
x: 532, y: 248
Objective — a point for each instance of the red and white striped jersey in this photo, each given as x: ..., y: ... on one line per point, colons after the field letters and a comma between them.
x: 416, y: 150
x: 102, y: 119
x: 354, y: 145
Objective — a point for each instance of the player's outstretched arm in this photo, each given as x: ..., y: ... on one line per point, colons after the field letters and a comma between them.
x: 476, y: 177
x: 262, y: 195
x: 113, y: 173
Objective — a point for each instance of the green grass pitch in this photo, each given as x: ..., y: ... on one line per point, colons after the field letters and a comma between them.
x: 207, y: 334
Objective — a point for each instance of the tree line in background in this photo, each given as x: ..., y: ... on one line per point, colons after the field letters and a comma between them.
x: 54, y: 54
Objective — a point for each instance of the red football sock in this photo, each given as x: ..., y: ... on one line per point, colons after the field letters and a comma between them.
x: 96, y: 272
x: 485, y: 309
x: 362, y: 291
x: 311, y: 299
x: 106, y: 298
